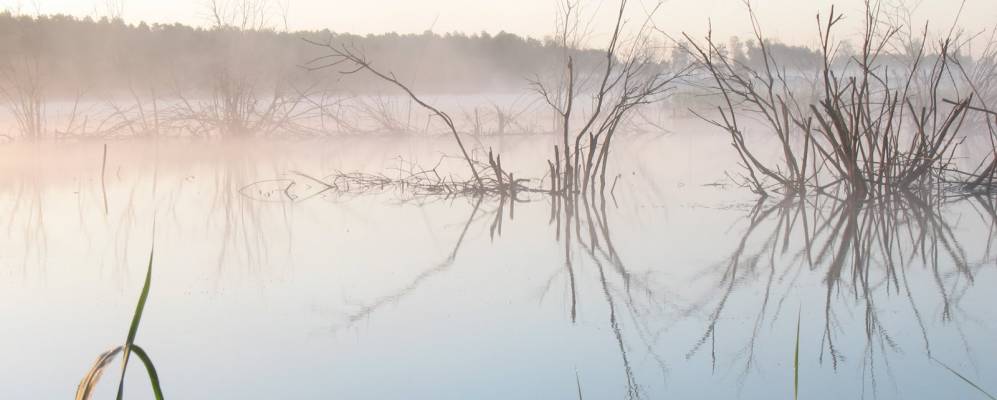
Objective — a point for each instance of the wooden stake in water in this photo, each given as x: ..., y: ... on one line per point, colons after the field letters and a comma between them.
x: 103, y: 173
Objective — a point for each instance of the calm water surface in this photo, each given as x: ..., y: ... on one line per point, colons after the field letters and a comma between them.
x: 668, y: 288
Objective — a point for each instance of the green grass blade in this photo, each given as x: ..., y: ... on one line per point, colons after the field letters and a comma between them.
x: 975, y: 386
x: 136, y: 319
x: 578, y: 384
x: 796, y: 362
x: 151, y: 369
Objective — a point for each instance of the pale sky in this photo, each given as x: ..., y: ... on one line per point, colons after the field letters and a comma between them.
x: 791, y: 21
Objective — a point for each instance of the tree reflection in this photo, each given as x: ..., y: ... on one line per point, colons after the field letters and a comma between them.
x: 828, y: 259
x: 866, y: 252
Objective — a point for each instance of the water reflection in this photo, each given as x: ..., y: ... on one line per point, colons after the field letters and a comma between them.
x: 364, y: 311
x: 868, y: 253
x: 832, y: 262
x: 594, y: 296
x: 600, y: 250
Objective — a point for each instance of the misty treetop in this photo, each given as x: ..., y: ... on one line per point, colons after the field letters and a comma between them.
x: 74, y: 55
x: 105, y: 56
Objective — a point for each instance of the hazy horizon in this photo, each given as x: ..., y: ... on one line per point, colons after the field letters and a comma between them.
x: 469, y: 199
x: 788, y: 21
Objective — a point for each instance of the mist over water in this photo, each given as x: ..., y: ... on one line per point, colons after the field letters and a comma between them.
x: 490, y: 216
x: 669, y: 288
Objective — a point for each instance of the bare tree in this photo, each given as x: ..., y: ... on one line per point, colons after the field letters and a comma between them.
x: 343, y: 56
x: 113, y: 9
x: 633, y: 75
x: 876, y: 122
x: 242, y: 14
x: 23, y: 92
x: 239, y: 101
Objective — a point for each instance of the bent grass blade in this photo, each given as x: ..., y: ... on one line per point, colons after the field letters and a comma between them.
x: 86, y: 387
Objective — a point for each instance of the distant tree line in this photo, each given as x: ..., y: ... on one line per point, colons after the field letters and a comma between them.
x: 71, y: 55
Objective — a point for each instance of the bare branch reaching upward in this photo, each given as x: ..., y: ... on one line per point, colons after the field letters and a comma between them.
x: 342, y: 55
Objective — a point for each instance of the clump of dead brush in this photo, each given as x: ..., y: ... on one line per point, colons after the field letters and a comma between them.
x: 877, y: 126
x: 984, y: 177
x: 409, y: 180
x: 861, y: 119
x: 633, y: 76
x: 766, y: 93
x: 22, y: 89
x: 236, y: 107
x: 353, y: 61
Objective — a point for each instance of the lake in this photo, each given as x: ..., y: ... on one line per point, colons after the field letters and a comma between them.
x: 674, y: 284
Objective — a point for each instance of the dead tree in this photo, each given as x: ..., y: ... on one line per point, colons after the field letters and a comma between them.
x: 632, y: 76
x: 341, y: 55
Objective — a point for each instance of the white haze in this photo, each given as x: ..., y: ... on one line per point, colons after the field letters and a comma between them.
x: 791, y: 21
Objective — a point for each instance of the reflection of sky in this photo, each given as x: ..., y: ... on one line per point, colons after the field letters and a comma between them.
x: 254, y: 300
